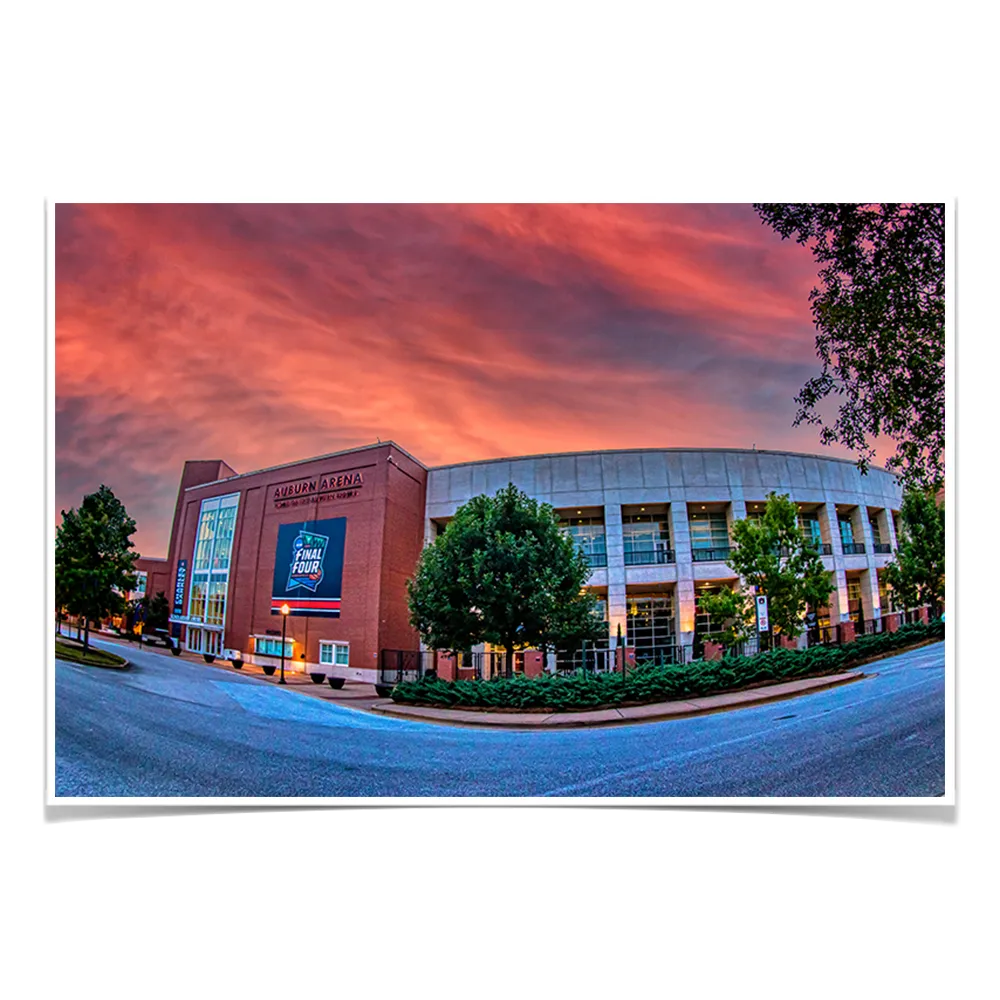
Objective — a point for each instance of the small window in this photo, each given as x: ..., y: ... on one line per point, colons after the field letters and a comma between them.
x: 267, y: 646
x: 334, y: 653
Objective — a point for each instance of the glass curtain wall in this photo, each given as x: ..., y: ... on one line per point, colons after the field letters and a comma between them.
x: 210, y: 572
x: 651, y: 627
x: 709, y: 535
x: 587, y: 532
x: 646, y: 538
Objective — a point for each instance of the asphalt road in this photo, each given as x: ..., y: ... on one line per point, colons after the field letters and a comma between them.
x: 173, y: 728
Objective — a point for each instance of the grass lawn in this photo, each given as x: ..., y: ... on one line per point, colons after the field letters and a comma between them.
x: 74, y: 652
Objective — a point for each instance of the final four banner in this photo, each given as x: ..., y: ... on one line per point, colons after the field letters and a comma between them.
x: 309, y: 568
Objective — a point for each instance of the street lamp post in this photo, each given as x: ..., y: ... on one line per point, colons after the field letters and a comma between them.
x: 284, y: 621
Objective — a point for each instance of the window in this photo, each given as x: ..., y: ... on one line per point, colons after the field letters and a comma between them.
x: 588, y: 534
x: 646, y: 538
x: 216, y: 602
x: 212, y: 554
x: 650, y: 624
x: 195, y: 640
x: 266, y: 645
x: 334, y: 653
x: 876, y: 532
x: 853, y: 589
x: 709, y: 535
x: 703, y: 624
x: 809, y: 526
x: 846, y: 531
x: 140, y: 584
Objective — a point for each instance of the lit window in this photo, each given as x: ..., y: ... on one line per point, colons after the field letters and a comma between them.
x: 266, y: 645
x: 588, y: 534
x: 213, y: 550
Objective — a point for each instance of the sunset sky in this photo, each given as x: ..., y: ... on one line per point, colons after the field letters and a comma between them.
x: 264, y: 334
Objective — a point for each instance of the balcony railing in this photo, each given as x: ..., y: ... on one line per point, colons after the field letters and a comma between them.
x: 854, y: 548
x: 882, y: 548
x: 710, y: 555
x: 597, y: 559
x: 646, y: 557
x: 826, y: 549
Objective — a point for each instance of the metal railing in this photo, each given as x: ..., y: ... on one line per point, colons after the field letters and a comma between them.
x: 659, y: 656
x: 854, y: 548
x: 597, y: 559
x: 882, y: 548
x: 486, y: 666
x: 748, y: 647
x: 646, y: 557
x: 710, y: 555
x: 823, y: 635
x: 398, y: 665
x: 826, y: 549
x: 592, y: 659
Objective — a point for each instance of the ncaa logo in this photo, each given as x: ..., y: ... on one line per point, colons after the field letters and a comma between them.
x: 306, y: 568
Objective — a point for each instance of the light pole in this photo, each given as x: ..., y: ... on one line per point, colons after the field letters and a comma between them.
x: 284, y: 621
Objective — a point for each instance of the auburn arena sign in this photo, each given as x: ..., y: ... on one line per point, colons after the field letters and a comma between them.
x: 333, y: 487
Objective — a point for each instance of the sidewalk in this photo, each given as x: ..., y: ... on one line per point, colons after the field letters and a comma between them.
x: 619, y: 716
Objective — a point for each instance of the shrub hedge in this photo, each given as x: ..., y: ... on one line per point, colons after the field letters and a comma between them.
x: 646, y: 684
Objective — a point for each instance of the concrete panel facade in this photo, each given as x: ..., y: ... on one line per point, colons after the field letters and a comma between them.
x: 678, y: 477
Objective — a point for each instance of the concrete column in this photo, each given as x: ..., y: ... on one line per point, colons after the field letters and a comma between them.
x: 890, y: 525
x: 737, y: 511
x: 870, y: 604
x: 684, y: 593
x: 839, y: 610
x: 884, y: 521
x: 615, y: 545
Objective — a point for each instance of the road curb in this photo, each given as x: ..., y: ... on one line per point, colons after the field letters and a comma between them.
x: 630, y: 715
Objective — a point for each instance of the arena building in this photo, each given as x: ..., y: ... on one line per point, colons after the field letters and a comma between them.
x: 333, y: 540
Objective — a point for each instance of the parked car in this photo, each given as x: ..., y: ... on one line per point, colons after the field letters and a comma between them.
x: 159, y: 637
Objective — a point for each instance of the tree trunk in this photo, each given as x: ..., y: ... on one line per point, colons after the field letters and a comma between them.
x: 86, y: 633
x: 510, y: 661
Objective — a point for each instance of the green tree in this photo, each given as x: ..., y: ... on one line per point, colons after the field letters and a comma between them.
x: 153, y: 611
x: 95, y: 558
x: 773, y: 557
x: 503, y: 572
x: 879, y: 317
x: 916, y: 573
x: 734, y: 610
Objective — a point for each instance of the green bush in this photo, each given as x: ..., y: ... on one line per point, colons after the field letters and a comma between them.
x: 646, y: 683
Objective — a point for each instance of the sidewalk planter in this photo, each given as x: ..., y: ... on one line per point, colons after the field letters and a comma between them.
x: 317, y: 678
x: 335, y: 682
x: 209, y: 657
x: 175, y: 649
x: 269, y: 669
x: 237, y: 664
